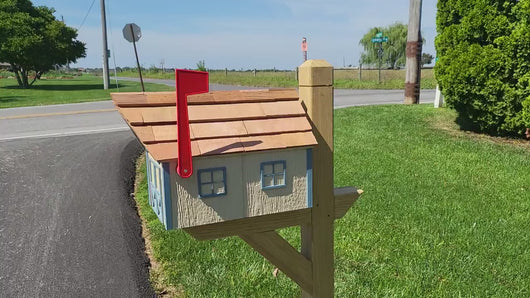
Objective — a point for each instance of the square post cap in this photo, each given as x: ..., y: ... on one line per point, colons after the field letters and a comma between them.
x: 314, y: 73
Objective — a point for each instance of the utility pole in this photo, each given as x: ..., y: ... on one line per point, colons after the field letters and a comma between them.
x: 414, y: 47
x: 106, y: 78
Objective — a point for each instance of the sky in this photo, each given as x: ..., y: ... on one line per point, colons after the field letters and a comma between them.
x: 234, y: 34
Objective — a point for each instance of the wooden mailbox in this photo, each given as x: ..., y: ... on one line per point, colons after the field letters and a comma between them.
x: 262, y: 160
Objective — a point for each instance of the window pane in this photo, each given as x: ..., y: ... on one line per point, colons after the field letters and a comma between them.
x: 206, y: 177
x: 152, y: 173
x: 218, y: 176
x: 267, y: 181
x: 278, y: 167
x: 267, y: 169
x: 206, y: 189
x: 157, y: 178
x: 279, y: 180
x: 219, y: 188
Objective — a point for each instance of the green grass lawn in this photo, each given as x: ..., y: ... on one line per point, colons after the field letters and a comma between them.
x: 344, y: 78
x: 444, y: 214
x: 59, y: 91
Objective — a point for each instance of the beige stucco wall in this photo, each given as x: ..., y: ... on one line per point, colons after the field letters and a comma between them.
x: 244, y: 196
x: 290, y: 197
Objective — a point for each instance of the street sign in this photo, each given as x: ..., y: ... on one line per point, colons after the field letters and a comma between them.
x: 132, y: 32
x: 379, y: 34
x: 379, y: 39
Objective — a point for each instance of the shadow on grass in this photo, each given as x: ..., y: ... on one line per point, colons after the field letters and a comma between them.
x: 467, y: 124
x: 65, y: 87
x: 10, y: 99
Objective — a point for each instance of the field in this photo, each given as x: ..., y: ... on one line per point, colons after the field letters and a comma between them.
x: 344, y: 78
x: 59, y: 91
x: 444, y: 214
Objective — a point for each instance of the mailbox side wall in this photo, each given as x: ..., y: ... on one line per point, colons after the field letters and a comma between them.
x: 245, y: 196
x: 158, y: 180
x: 292, y: 196
x: 193, y: 211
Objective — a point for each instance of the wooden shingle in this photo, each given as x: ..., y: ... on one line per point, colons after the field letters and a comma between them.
x: 221, y: 122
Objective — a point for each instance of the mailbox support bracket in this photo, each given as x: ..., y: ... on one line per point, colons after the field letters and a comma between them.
x: 259, y: 232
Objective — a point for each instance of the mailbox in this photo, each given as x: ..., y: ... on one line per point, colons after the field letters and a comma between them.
x: 251, y: 153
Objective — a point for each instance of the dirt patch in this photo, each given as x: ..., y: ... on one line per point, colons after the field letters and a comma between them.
x: 446, y: 123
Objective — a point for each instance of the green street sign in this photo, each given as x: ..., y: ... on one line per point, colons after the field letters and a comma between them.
x: 379, y: 39
x: 379, y: 34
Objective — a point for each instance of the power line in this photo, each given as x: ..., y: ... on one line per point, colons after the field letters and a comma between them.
x: 84, y: 19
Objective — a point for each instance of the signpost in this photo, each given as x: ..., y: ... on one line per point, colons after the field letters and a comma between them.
x: 379, y: 38
x: 304, y: 48
x: 132, y: 33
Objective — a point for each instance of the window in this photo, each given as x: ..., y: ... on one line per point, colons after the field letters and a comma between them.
x: 272, y: 174
x: 212, y: 182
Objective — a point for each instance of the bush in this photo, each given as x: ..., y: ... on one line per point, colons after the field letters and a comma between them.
x: 484, y: 62
x: 526, y: 112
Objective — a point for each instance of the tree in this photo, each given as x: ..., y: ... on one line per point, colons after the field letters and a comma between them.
x: 483, y: 68
x: 426, y: 58
x: 201, y: 66
x: 394, y: 55
x: 33, y: 40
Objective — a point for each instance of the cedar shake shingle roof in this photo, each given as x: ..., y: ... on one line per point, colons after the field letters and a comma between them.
x: 220, y: 121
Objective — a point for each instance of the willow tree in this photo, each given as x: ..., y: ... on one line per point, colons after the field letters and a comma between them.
x: 32, y: 40
x: 394, y: 55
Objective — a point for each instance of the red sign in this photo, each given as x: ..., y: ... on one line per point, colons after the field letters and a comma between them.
x: 188, y: 82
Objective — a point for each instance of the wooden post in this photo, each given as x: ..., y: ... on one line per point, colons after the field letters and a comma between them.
x: 438, y: 98
x: 316, y: 94
x: 413, y: 52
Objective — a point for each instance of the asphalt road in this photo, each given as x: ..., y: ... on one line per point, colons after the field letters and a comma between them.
x: 68, y: 226
x: 343, y: 97
x: 100, y: 117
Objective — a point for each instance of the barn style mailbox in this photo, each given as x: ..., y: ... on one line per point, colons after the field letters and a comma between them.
x: 251, y: 153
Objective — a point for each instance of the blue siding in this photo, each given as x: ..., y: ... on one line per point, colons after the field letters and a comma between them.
x: 167, y: 196
x: 309, y: 177
x: 154, y: 179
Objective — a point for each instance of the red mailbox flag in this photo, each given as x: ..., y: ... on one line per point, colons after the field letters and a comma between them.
x: 188, y: 82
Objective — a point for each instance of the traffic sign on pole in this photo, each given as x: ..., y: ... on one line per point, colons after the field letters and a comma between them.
x: 132, y: 32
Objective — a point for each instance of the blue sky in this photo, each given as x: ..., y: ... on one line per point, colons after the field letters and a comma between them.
x: 235, y: 34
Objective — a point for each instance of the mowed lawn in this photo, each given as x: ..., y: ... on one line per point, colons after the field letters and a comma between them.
x: 60, y: 91
x: 444, y: 214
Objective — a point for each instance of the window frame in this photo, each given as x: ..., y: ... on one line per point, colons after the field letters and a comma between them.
x: 273, y: 174
x: 212, y: 182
